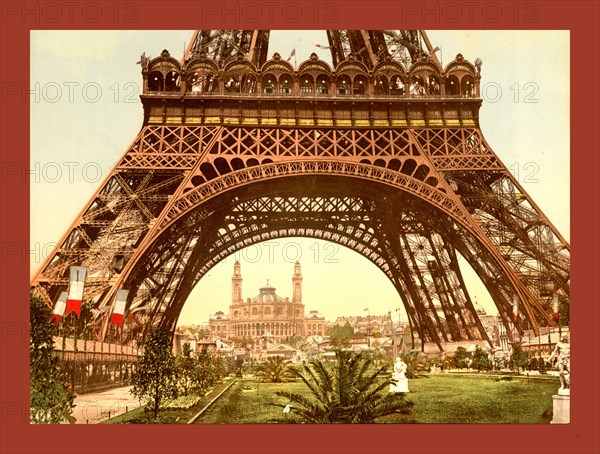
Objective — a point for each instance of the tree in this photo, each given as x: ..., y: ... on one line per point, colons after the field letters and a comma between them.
x: 349, y: 391
x: 340, y: 335
x: 154, y: 379
x: 459, y: 360
x: 518, y: 358
x: 221, y: 367
x: 49, y: 397
x: 481, y: 360
x: 206, y: 372
x: 276, y: 370
x: 185, y: 366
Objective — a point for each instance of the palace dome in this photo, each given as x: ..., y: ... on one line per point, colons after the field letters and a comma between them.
x: 267, y: 295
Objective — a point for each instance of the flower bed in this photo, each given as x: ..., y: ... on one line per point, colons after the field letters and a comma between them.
x: 183, y: 402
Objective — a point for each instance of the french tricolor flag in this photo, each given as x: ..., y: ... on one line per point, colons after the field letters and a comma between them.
x: 59, y: 308
x: 119, y: 310
x: 76, y: 284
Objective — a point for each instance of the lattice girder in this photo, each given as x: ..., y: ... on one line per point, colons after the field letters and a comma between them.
x: 526, y: 239
x: 366, y: 46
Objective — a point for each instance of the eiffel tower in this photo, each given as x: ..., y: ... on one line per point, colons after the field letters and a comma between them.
x: 381, y: 152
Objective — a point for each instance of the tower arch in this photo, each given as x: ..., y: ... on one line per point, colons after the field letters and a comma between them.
x: 198, y: 149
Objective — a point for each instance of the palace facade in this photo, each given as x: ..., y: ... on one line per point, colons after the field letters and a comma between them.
x: 267, y: 315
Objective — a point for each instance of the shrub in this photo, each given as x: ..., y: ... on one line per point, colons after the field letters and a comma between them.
x: 50, y: 399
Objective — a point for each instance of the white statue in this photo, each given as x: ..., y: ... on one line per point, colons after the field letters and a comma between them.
x: 563, y: 352
x: 399, y: 382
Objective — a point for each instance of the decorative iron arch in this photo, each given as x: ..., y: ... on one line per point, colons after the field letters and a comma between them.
x: 183, y: 234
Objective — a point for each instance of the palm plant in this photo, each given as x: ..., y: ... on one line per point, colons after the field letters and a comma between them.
x: 350, y: 391
x: 275, y: 370
x: 415, y: 363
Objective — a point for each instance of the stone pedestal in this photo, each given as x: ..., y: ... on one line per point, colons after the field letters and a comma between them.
x: 399, y: 385
x: 403, y: 385
x: 561, y: 413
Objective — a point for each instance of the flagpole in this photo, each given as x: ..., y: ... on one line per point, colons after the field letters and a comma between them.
x: 75, y: 326
x: 64, y: 339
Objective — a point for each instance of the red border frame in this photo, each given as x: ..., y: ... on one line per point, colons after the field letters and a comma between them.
x: 581, y: 436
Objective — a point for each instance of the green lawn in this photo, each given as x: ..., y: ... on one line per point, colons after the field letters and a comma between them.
x: 250, y: 406
x: 483, y: 399
x: 438, y: 398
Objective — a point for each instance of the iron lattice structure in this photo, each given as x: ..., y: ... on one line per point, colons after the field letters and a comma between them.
x: 381, y: 153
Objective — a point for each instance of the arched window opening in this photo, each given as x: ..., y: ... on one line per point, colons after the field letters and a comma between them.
x: 237, y: 164
x: 222, y: 166
x: 467, y: 86
x: 269, y: 84
x: 208, y: 171
x: 172, y: 82
x: 249, y: 84
x: 394, y: 164
x: 155, y: 81
x: 343, y: 85
x: 397, y: 85
x: 306, y: 85
x: 382, y: 86
x: 433, y: 88
x: 417, y: 86
x: 408, y: 167
x: 431, y: 181
x: 201, y: 82
x: 322, y: 85
x: 359, y: 86
x: 421, y: 172
x: 233, y: 84
x: 285, y: 82
x: 452, y: 86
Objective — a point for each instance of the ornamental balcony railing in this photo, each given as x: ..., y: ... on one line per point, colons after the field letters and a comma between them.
x: 305, y: 96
